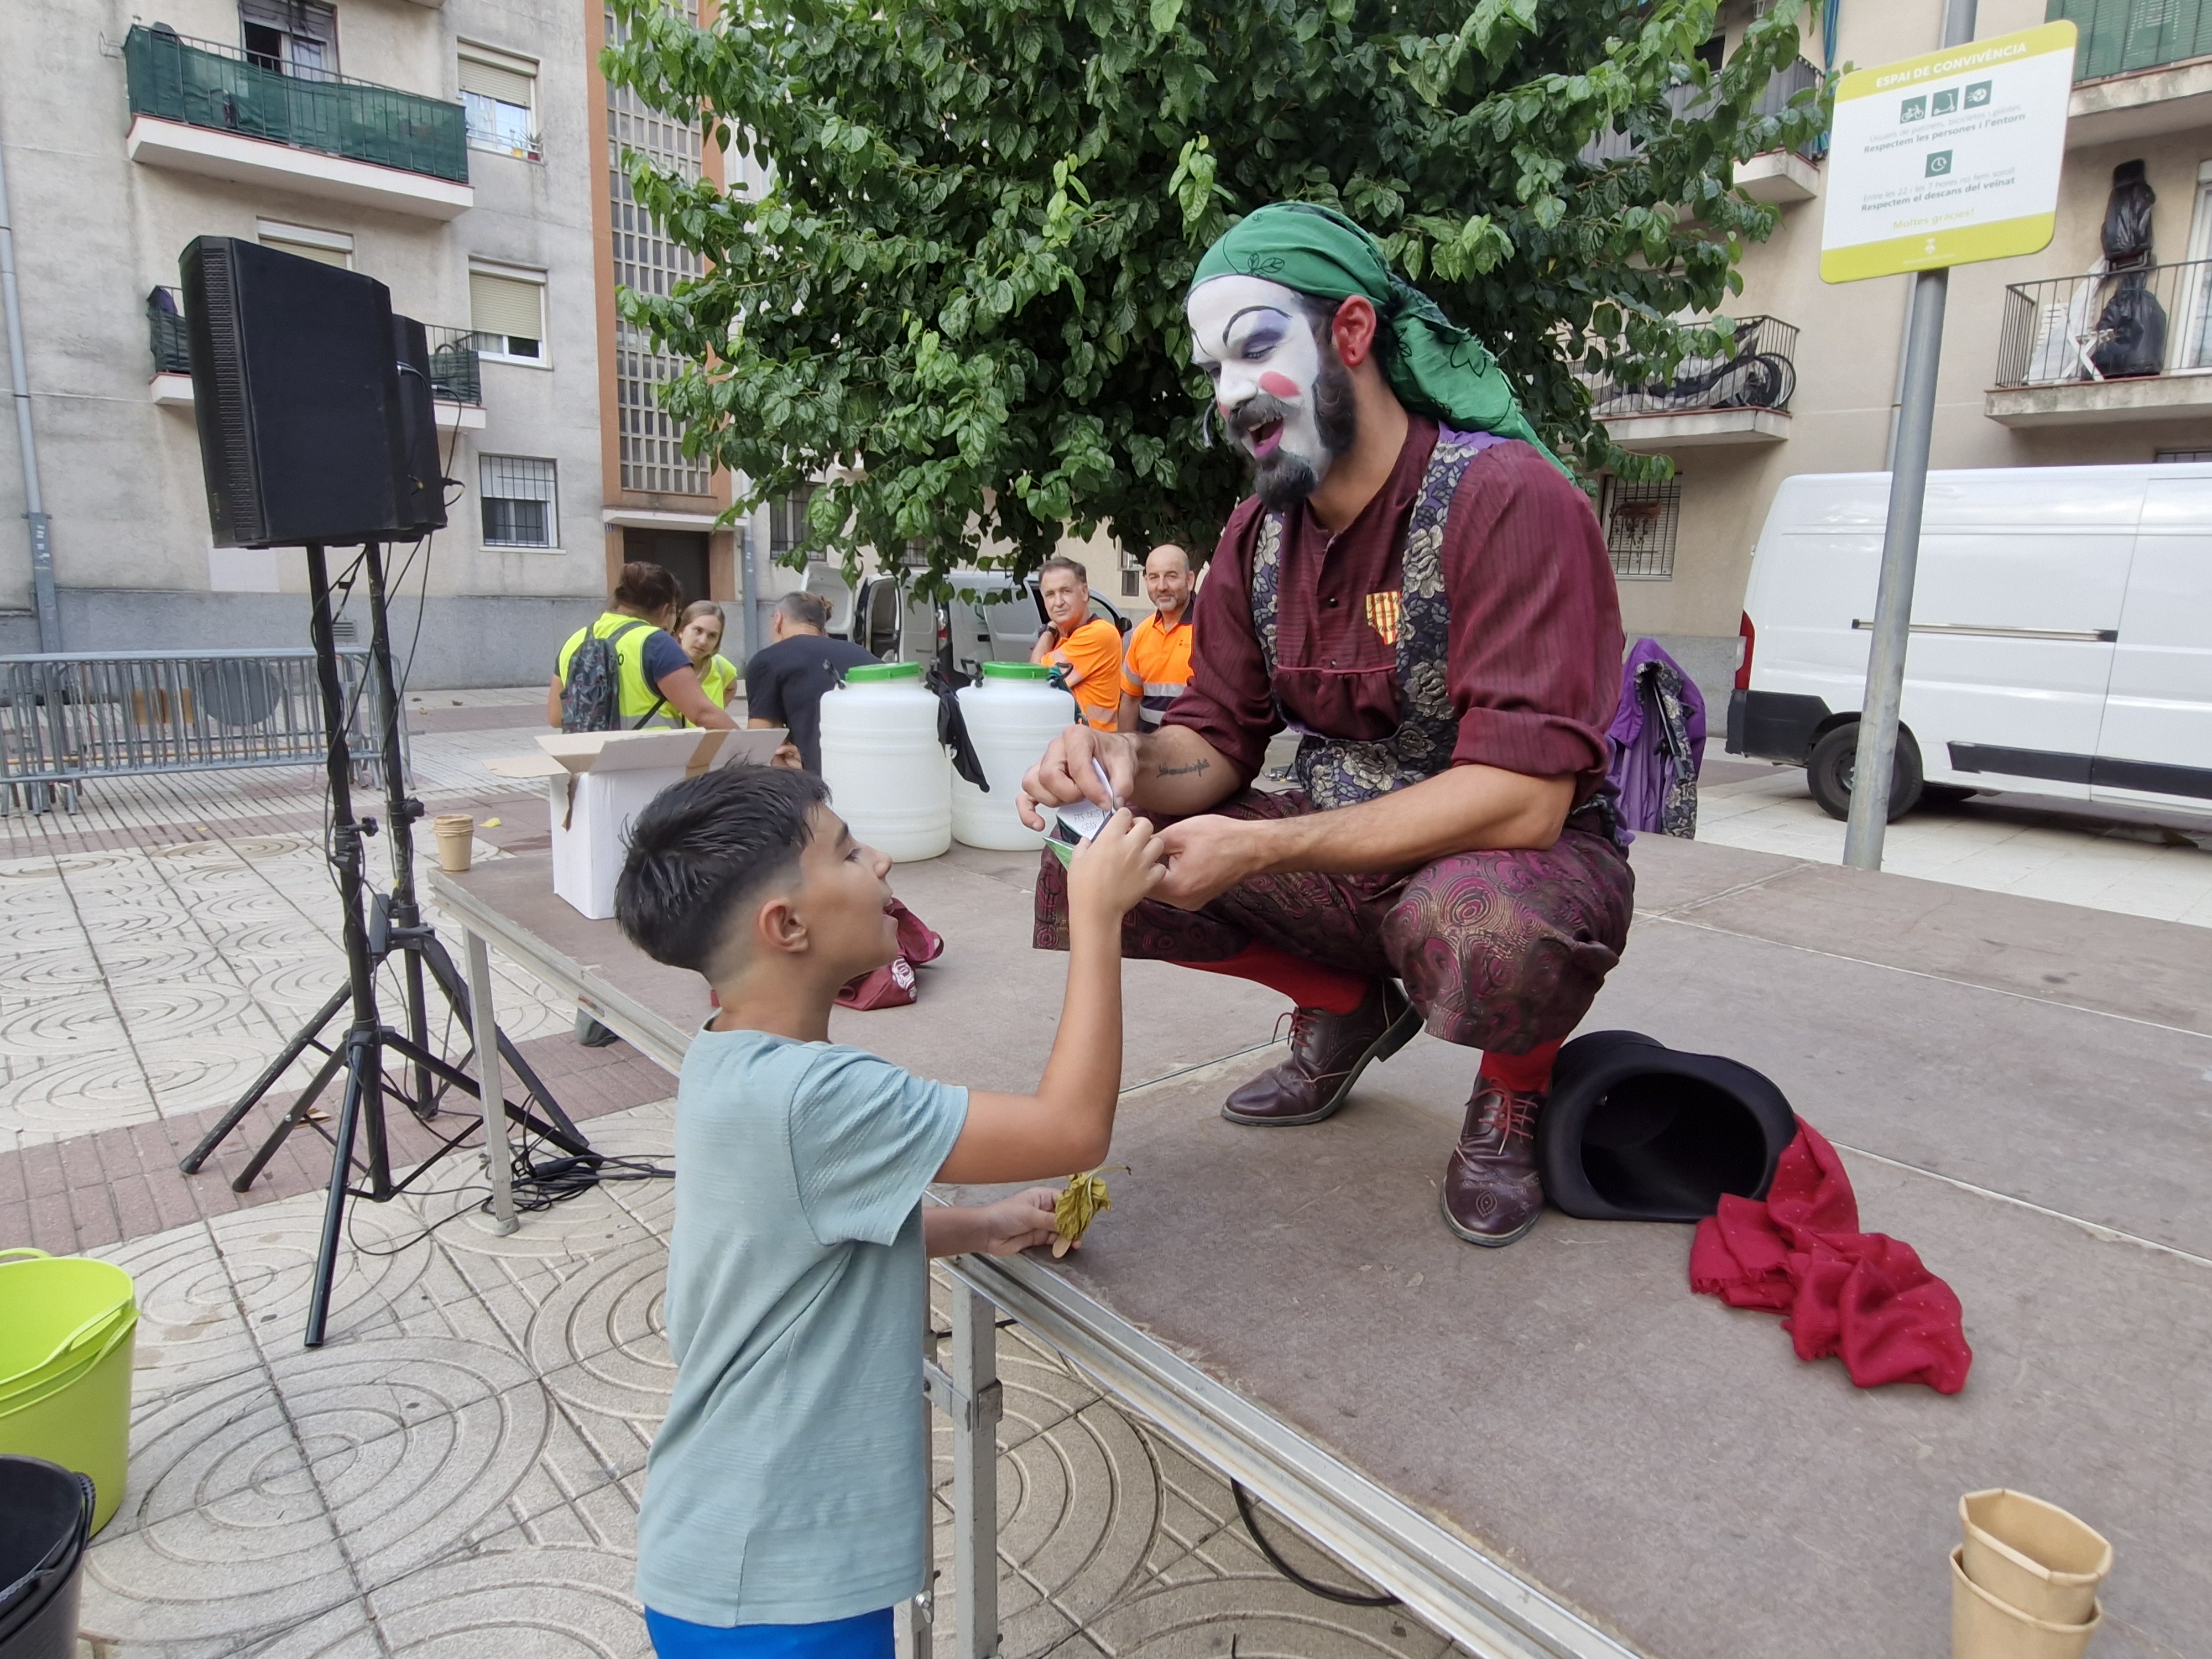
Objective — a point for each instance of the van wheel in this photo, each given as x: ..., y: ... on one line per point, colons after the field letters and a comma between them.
x: 1828, y: 772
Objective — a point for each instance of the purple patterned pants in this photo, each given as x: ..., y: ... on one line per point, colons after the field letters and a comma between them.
x: 1498, y: 950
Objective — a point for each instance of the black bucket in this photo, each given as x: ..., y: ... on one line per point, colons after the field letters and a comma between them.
x: 45, y: 1516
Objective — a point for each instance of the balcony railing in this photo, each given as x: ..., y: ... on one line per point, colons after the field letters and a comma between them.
x: 2124, y: 324
x: 1686, y: 103
x: 456, y: 373
x: 165, y: 329
x: 2119, y: 37
x: 205, y: 85
x: 456, y: 370
x: 1760, y: 372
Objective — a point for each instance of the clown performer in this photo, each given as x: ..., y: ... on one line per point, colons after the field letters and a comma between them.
x: 1418, y: 590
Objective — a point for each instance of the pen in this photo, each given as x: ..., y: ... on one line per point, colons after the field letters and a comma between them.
x: 1107, y: 782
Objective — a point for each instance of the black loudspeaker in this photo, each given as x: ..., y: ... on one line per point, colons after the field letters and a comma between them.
x: 422, y: 483
x: 297, y: 395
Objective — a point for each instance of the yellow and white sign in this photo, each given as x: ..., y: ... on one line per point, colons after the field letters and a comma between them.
x: 1947, y: 158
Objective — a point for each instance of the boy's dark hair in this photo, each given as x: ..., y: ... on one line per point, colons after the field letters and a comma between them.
x: 705, y: 846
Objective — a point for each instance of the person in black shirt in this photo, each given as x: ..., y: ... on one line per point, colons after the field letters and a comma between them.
x: 785, y: 681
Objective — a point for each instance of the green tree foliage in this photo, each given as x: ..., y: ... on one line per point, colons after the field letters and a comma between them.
x: 968, y: 272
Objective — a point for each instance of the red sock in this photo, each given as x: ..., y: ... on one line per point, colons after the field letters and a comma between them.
x: 1525, y: 1075
x: 1309, y: 984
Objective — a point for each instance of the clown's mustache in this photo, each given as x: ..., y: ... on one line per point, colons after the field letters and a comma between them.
x: 1261, y: 409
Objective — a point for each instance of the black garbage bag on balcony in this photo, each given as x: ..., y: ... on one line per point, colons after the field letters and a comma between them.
x: 2127, y: 216
x: 2133, y: 327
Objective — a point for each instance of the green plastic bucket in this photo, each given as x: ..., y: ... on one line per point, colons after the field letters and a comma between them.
x: 67, y: 1326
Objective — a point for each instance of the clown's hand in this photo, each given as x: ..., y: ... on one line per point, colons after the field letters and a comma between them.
x: 1066, y: 773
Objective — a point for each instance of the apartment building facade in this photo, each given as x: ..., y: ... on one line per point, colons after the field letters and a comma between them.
x: 2028, y: 377
x: 466, y: 154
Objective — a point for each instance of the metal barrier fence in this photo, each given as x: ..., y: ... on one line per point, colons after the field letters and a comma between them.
x: 65, y: 718
x: 1759, y: 374
x: 204, y: 83
x: 2122, y: 325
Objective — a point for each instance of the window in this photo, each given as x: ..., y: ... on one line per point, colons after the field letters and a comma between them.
x: 1133, y: 575
x: 290, y: 37
x: 519, y: 508
x: 500, y: 93
x: 651, y: 440
x: 786, y: 519
x: 330, y: 247
x: 2182, y: 457
x: 1639, y: 528
x: 506, y: 308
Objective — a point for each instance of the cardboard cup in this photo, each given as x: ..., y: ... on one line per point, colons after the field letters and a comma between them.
x: 456, y: 834
x: 2032, y: 1555
x: 1983, y: 1627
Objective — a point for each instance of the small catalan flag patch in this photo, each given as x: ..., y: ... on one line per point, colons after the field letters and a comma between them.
x: 1382, y: 616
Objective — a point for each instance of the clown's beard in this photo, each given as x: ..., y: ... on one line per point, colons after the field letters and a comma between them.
x: 1287, y: 478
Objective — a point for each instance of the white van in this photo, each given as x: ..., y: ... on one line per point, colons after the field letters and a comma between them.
x: 991, y: 617
x: 2061, y: 635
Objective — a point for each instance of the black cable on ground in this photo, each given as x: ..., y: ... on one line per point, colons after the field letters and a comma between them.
x: 1343, y: 1598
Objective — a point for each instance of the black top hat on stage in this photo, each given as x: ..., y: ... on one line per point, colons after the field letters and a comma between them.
x: 1634, y: 1131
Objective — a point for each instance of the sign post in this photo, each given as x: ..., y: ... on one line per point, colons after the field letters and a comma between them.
x: 1949, y: 158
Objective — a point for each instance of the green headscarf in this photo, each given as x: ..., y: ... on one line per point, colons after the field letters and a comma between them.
x: 1436, y: 367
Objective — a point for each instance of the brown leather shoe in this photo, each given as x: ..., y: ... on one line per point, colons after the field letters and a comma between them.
x: 1327, y: 1053
x: 1491, y: 1194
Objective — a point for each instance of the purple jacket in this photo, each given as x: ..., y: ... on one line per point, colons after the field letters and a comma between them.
x: 1658, y: 735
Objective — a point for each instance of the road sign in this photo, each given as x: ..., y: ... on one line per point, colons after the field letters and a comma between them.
x: 1947, y: 158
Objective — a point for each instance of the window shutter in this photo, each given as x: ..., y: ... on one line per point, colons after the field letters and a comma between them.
x: 496, y: 80
x: 504, y: 305
x: 327, y: 256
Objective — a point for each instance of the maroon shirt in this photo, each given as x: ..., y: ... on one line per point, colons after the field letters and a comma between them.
x: 1535, y: 622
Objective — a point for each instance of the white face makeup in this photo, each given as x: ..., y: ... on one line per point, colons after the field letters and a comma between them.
x: 1252, y: 338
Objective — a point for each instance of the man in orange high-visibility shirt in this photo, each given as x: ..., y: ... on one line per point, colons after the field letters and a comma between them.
x: 1156, y: 666
x: 1086, y: 649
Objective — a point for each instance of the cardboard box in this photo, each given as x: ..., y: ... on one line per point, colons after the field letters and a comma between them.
x: 598, y: 782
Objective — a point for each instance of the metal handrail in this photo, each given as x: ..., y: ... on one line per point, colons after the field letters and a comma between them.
x: 203, y: 83
x: 1760, y: 372
x: 166, y: 334
x: 69, y: 716
x: 2134, y: 323
x: 2126, y: 37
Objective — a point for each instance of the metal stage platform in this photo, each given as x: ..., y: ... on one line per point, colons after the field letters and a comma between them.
x: 1556, y: 1449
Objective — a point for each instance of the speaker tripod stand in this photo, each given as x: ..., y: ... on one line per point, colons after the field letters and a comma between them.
x: 388, y: 924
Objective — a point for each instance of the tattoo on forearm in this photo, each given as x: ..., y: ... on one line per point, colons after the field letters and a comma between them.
x: 1184, y: 771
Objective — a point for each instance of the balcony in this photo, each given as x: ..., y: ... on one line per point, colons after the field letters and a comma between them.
x: 2129, y: 345
x: 1778, y: 176
x: 1740, y: 398
x: 203, y: 108
x: 456, y: 370
x: 2143, y: 67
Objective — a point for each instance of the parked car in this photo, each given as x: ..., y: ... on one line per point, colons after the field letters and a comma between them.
x: 992, y: 616
x: 2061, y: 635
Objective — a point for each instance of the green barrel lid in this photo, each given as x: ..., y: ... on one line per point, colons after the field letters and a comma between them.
x: 873, y: 672
x: 1016, y: 671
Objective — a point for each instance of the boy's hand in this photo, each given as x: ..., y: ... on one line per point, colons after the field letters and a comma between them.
x: 1020, y: 1223
x: 1116, y: 867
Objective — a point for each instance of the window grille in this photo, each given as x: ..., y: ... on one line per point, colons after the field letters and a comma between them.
x: 2183, y: 456
x: 786, y: 519
x: 1640, y: 521
x: 521, y: 506
x: 651, y: 441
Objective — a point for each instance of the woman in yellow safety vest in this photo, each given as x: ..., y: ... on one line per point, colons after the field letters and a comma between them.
x: 656, y: 678
x: 700, y: 634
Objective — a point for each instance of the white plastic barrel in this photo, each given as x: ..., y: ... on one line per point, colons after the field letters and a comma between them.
x: 1012, y: 713
x: 890, y: 779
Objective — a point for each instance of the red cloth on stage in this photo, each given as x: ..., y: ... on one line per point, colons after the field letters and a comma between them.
x: 1862, y: 1296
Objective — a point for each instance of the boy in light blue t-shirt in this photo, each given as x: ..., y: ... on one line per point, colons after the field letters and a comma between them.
x: 786, y: 1498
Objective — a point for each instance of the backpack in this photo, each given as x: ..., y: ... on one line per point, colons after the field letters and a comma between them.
x: 590, y: 695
